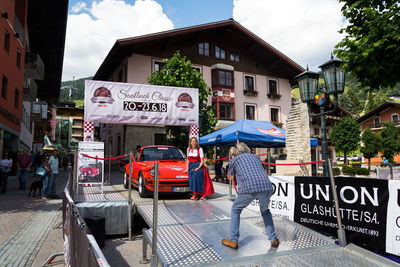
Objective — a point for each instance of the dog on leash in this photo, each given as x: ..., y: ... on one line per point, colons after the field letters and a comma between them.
x: 36, y: 185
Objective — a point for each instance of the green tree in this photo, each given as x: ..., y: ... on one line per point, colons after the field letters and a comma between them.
x: 345, y: 136
x: 371, y: 145
x: 390, y: 141
x: 178, y: 71
x: 371, y: 47
x: 374, y: 100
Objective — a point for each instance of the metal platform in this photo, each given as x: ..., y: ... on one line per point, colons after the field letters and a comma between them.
x: 190, y: 234
x: 94, y: 194
x: 109, y: 203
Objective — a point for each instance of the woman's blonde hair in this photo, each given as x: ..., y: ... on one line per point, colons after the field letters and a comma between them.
x: 190, y: 141
x: 233, y: 151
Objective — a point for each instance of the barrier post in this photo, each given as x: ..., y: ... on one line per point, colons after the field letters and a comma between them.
x: 130, y: 197
x: 154, y: 257
x: 341, y: 232
x: 269, y: 161
x: 109, y: 171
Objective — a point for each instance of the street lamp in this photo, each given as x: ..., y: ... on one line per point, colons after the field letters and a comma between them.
x: 334, y: 77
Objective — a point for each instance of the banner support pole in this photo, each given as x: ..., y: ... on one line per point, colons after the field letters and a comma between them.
x: 130, y: 197
x: 341, y: 232
x: 154, y: 257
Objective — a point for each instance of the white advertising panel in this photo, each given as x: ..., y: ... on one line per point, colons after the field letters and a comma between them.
x: 111, y: 102
x: 281, y: 203
x: 393, y: 218
x: 90, y: 170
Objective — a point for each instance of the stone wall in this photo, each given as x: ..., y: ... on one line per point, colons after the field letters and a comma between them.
x: 297, y: 140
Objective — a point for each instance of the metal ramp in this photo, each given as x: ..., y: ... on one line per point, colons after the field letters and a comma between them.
x: 190, y: 233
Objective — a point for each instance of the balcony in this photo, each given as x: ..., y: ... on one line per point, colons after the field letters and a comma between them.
x: 380, y: 124
x: 273, y: 96
x: 250, y: 92
x: 34, y: 66
x: 30, y: 89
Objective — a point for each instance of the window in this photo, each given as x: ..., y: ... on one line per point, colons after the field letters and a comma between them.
x: 160, y: 139
x: 6, y: 41
x: 219, y: 52
x: 234, y: 57
x: 16, y: 98
x: 198, y: 69
x: 158, y: 65
x: 18, y: 59
x: 4, y: 84
x: 225, y: 111
x: 273, y: 87
x: 316, y: 131
x: 248, y: 82
x: 377, y: 120
x: 395, y: 117
x: 250, y: 111
x: 222, y: 78
x: 275, y: 115
x: 204, y: 49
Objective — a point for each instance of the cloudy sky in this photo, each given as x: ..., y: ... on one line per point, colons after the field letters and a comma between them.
x: 304, y: 30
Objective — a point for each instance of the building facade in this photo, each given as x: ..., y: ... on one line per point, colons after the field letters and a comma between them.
x: 376, y: 118
x: 249, y: 78
x: 13, y: 18
x: 69, y: 129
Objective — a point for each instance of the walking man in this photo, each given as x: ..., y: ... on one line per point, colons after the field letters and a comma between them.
x: 252, y: 183
x: 24, y: 163
x: 54, y: 163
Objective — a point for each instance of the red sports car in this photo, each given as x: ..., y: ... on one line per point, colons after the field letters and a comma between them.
x: 172, y: 164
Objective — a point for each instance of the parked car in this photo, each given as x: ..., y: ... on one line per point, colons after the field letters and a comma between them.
x: 172, y: 164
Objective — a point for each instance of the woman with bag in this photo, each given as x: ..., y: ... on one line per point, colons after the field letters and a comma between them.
x: 199, y: 179
x: 5, y: 170
x: 45, y: 176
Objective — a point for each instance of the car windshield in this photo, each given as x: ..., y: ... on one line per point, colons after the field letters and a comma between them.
x: 162, y: 153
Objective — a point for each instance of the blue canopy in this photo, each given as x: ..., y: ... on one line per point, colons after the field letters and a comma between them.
x: 253, y: 133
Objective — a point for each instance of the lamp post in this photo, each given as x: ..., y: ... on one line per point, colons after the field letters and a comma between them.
x: 334, y: 77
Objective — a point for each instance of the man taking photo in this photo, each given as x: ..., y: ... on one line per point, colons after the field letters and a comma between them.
x: 252, y: 183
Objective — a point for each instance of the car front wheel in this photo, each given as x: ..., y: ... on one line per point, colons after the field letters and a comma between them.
x: 126, y: 181
x: 143, y: 192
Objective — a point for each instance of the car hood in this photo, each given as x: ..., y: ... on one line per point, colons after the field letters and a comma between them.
x: 167, y: 168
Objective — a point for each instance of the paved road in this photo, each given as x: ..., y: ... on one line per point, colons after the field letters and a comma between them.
x: 27, y: 237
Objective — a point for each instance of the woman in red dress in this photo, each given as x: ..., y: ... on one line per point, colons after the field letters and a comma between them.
x: 199, y: 180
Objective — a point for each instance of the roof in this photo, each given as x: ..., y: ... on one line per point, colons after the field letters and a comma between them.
x: 125, y: 47
x: 378, y: 109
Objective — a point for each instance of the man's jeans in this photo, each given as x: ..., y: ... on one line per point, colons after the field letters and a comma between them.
x: 51, y: 190
x: 241, y: 202
x: 22, y: 178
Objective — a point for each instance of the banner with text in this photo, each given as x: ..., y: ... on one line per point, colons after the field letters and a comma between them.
x: 363, y: 206
x: 393, y: 218
x: 281, y: 203
x: 112, y: 102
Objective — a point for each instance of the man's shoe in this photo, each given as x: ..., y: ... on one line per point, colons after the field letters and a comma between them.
x: 275, y: 243
x: 229, y: 243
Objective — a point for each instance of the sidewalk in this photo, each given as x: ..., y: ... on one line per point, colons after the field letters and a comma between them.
x: 27, y: 237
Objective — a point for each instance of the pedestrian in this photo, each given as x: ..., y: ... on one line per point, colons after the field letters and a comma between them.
x: 38, y: 160
x: 46, y: 177
x: 252, y: 183
x: 5, y: 170
x: 54, y: 163
x: 23, y: 164
x: 199, y: 178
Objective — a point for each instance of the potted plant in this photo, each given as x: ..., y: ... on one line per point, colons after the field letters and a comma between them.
x: 250, y: 92
x: 274, y: 96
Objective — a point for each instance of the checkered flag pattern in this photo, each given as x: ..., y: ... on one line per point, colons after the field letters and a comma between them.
x: 88, y: 126
x: 194, y: 131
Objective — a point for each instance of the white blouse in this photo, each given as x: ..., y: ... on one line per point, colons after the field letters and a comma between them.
x: 193, y: 152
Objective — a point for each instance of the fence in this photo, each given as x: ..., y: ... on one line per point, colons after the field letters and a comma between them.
x: 80, y: 247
